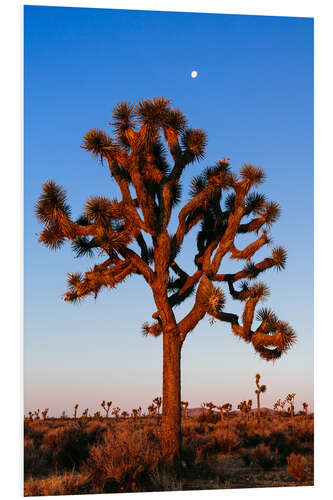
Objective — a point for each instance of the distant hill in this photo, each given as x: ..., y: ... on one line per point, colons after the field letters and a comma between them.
x: 196, y: 412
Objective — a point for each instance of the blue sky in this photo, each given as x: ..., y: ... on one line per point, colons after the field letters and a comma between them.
x: 254, y: 97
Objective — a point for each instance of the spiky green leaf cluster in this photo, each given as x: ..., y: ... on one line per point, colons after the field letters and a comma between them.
x: 95, y: 141
x: 194, y: 142
x: 51, y: 205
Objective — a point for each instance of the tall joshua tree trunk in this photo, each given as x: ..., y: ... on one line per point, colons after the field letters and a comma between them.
x: 171, y: 415
x: 258, y: 406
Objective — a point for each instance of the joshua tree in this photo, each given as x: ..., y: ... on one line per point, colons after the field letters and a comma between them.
x: 124, y: 414
x: 150, y: 189
x: 134, y: 413
x: 44, y: 413
x: 279, y: 404
x: 158, y: 402
x: 106, y: 407
x: 85, y: 413
x: 305, y: 407
x: 75, y: 410
x: 226, y: 408
x: 36, y: 414
x: 30, y: 416
x: 290, y: 400
x: 116, y: 412
x: 97, y: 415
x: 258, y: 391
x: 152, y: 410
x: 245, y: 408
x: 63, y: 414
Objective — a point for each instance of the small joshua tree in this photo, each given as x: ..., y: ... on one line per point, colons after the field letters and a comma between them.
x: 75, y: 410
x: 220, y: 408
x: 64, y: 415
x: 290, y: 400
x: 97, y: 415
x: 245, y: 408
x: 305, y: 407
x: 158, y: 402
x: 278, y: 406
x: 85, y: 413
x: 124, y: 414
x: 115, y: 412
x: 106, y: 407
x: 227, y: 407
x: 152, y: 410
x: 30, y: 416
x: 133, y: 234
x: 44, y: 413
x: 36, y: 414
x: 134, y: 413
x: 258, y: 391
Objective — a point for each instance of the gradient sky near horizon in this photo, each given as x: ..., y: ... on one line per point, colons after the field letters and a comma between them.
x: 254, y: 97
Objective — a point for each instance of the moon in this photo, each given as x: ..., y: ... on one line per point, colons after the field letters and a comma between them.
x: 194, y: 74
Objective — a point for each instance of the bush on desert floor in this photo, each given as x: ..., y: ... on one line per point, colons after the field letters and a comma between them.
x: 297, y: 466
x: 123, y: 460
x: 64, y: 484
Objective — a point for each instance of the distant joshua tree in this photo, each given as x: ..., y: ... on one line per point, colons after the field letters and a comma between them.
x: 124, y: 414
x: 116, y: 412
x: 158, y: 402
x: 245, y: 408
x: 75, y: 410
x: 85, y: 413
x: 97, y: 415
x: 133, y: 234
x: 44, y: 413
x: 36, y: 414
x: 152, y: 409
x: 305, y: 407
x: 258, y: 391
x: 279, y: 405
x: 210, y: 406
x: 30, y: 416
x: 106, y: 407
x: 290, y: 400
x: 134, y: 413
x: 63, y: 415
x: 227, y: 407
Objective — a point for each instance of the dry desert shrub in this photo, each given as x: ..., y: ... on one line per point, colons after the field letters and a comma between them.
x: 122, y: 460
x: 297, y: 466
x: 68, y: 445
x: 261, y: 455
x: 65, y: 484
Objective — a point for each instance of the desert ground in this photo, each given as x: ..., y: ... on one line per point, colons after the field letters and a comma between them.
x: 122, y: 453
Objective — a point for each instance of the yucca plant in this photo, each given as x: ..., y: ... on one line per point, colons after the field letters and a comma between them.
x: 158, y: 402
x: 290, y: 401
x: 245, y: 408
x: 305, y: 408
x: 106, y: 407
x: 44, y: 413
x: 134, y: 237
x: 36, y: 414
x: 75, y: 411
x: 260, y: 389
x: 152, y: 410
x: 115, y: 412
x: 85, y: 413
